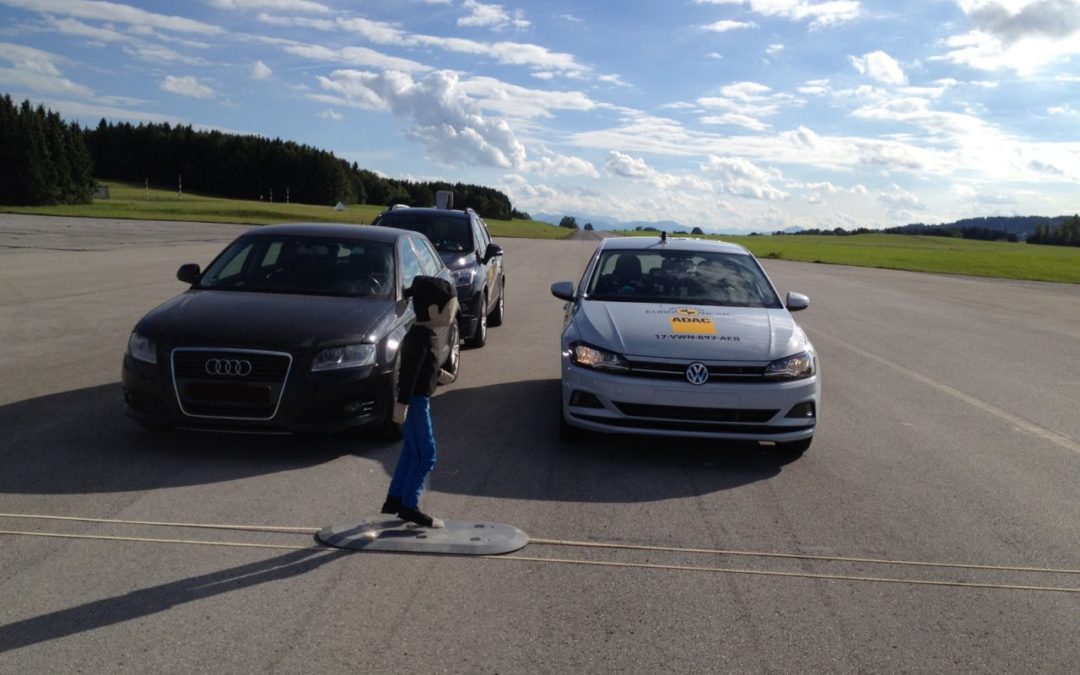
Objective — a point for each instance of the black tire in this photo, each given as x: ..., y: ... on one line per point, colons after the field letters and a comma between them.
x: 388, y: 429
x: 479, y: 337
x: 795, y: 448
x: 497, y: 314
x: 452, y: 364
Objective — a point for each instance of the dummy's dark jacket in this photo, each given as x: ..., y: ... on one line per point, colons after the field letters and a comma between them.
x: 419, y: 364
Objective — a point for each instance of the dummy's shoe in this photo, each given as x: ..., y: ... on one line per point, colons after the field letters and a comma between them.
x: 392, y: 505
x: 420, y: 518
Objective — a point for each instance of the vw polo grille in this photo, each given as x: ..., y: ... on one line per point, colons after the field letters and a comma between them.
x: 237, y: 384
x: 663, y: 370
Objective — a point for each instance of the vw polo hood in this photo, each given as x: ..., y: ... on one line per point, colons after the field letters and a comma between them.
x: 691, y: 332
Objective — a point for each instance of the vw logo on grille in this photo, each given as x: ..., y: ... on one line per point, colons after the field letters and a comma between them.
x: 697, y: 373
x: 228, y: 367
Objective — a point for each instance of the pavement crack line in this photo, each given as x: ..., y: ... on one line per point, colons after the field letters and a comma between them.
x: 1024, y: 425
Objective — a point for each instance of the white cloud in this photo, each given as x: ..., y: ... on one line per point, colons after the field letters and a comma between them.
x: 507, y: 53
x: 881, y: 67
x: 774, y: 49
x: 110, y: 11
x: 355, y: 56
x: 744, y: 104
x: 332, y: 115
x: 520, y: 102
x: 444, y: 119
x: 261, y: 71
x: 186, y: 86
x: 1019, y: 35
x: 36, y: 70
x: 552, y: 164
x: 739, y: 176
x: 725, y: 26
x: 491, y: 16
x: 281, y: 5
x: 625, y: 166
x: 826, y: 13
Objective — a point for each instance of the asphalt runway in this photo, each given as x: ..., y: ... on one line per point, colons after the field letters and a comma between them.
x: 934, y: 526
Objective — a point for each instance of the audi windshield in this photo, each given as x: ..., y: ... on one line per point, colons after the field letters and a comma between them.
x: 303, y: 265
x: 680, y: 276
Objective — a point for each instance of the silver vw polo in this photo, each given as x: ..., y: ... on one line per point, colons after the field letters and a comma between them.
x: 685, y: 337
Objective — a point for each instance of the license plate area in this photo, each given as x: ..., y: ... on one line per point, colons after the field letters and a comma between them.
x: 243, y: 394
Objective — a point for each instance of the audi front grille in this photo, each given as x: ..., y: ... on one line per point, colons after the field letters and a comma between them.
x: 236, y: 384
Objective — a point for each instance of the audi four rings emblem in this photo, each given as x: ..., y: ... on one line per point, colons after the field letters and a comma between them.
x: 228, y: 367
x: 697, y: 373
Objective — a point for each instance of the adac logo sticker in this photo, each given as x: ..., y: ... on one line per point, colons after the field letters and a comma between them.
x: 692, y: 325
x: 687, y: 311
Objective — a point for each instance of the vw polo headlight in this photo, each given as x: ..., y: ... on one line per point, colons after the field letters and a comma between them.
x: 142, y: 348
x: 348, y: 356
x: 587, y: 356
x: 794, y: 367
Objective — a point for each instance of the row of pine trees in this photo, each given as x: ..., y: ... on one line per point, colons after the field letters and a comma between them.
x: 43, y: 160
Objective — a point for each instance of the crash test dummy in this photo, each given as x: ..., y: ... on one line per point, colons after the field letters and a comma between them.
x: 435, y: 303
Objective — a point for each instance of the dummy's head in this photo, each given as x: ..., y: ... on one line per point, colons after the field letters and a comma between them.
x: 434, y: 301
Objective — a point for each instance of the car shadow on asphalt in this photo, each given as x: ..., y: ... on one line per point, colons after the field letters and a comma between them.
x: 81, y: 442
x: 498, y: 441
x: 502, y: 441
x: 147, y: 601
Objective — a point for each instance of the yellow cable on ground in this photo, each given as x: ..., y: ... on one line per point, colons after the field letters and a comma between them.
x: 586, y: 544
x: 800, y: 556
x: 593, y: 563
x: 801, y: 575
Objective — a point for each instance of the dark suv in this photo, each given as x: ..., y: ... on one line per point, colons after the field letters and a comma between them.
x: 464, y: 243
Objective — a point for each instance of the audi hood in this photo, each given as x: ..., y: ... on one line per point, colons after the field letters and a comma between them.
x: 695, y: 332
x: 247, y: 319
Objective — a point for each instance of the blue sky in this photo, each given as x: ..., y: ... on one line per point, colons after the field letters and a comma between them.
x: 731, y: 115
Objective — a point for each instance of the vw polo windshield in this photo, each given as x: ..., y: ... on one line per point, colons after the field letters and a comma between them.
x: 303, y: 265
x: 674, y: 276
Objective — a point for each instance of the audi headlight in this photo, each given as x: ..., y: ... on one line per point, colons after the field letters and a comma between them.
x: 349, y: 356
x: 588, y: 356
x: 793, y: 367
x: 464, y: 277
x: 142, y: 348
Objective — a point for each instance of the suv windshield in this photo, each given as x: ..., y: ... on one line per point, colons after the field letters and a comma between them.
x: 304, y: 265
x: 697, y: 277
x: 449, y: 233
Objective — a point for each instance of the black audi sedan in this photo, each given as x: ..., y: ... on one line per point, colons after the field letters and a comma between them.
x: 464, y: 242
x: 291, y: 328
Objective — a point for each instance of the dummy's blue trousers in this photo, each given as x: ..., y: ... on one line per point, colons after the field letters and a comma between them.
x: 417, y: 457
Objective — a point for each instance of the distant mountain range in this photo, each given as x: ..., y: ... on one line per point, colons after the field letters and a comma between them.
x: 1022, y: 226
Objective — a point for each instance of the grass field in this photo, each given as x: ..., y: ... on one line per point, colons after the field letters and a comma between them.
x: 944, y: 255
x: 134, y: 202
x: 891, y: 251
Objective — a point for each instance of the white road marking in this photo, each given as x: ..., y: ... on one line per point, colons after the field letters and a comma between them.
x: 1018, y: 422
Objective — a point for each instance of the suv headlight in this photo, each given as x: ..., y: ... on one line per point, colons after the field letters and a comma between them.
x: 588, y: 356
x: 464, y: 277
x: 142, y: 348
x: 793, y: 367
x: 349, y: 356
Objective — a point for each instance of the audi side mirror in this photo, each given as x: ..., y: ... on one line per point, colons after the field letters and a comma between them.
x: 796, y: 302
x: 492, y: 251
x: 189, y: 273
x: 563, y: 290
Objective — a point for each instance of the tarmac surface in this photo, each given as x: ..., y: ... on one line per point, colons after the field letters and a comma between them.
x: 934, y: 526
